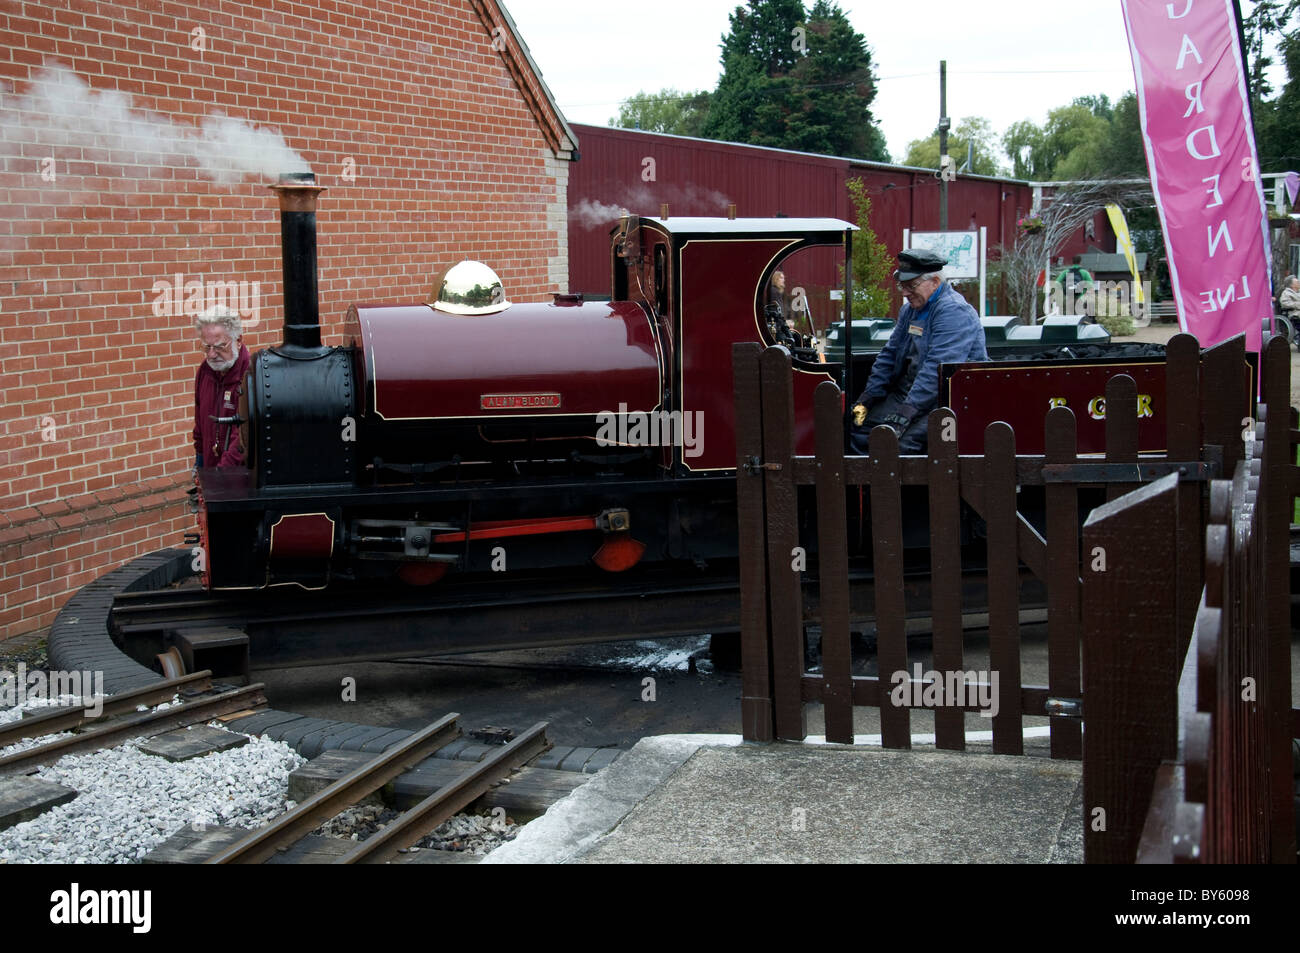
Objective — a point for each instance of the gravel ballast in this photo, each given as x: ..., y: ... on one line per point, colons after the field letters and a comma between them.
x: 129, y: 802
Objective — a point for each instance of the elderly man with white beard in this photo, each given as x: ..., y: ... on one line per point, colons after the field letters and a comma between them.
x: 217, y: 388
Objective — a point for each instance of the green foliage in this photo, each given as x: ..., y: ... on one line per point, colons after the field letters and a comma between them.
x: 1099, y: 106
x: 973, y: 129
x: 1088, y: 139
x: 1119, y: 325
x: 669, y: 110
x: 872, y: 265
x: 1127, y: 152
x: 796, y: 80
x: 1277, y: 119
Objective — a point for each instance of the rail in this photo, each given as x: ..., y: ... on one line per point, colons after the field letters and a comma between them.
x: 384, y: 845
x: 117, y: 730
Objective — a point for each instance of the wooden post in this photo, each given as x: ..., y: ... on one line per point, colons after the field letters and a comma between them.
x: 1130, y: 671
x: 1183, y: 443
x: 1004, y: 584
x: 785, y: 592
x: 833, y: 564
x: 1063, y: 618
x: 1225, y: 399
x: 755, y: 663
x: 945, y: 568
x: 887, y: 575
x: 1275, y: 523
x: 1121, y: 428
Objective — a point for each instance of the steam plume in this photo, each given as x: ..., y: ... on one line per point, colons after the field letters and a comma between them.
x: 60, y: 109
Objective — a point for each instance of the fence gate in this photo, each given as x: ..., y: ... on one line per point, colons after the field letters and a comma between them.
x: 796, y: 570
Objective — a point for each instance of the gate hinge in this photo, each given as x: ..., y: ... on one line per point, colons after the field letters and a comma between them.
x: 753, y: 465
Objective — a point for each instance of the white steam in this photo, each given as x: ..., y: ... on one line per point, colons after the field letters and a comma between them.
x: 591, y: 214
x: 644, y: 199
x: 59, y: 110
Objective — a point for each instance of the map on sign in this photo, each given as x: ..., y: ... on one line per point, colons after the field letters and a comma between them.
x: 960, y: 248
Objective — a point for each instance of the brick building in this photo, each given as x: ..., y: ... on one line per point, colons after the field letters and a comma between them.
x: 428, y: 123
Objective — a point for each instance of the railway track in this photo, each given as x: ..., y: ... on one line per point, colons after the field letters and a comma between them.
x: 115, y: 719
x: 119, y: 721
x: 384, y: 845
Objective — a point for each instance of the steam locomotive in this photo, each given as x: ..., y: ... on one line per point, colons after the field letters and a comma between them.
x: 472, y: 434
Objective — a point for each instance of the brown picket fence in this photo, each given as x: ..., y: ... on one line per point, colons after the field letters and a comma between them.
x: 1219, y: 770
x: 1204, y: 439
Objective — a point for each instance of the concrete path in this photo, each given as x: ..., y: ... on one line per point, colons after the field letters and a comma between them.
x: 710, y: 799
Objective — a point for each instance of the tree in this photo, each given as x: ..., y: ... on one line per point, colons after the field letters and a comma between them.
x: 1267, y: 18
x: 796, y: 80
x: 1277, y: 124
x: 669, y: 110
x: 1074, y: 143
x: 975, y: 130
x: 872, y: 266
x: 1127, y: 154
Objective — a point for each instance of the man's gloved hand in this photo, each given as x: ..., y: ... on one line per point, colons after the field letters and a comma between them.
x: 859, y: 414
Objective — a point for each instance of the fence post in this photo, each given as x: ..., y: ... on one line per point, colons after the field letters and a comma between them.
x: 1183, y: 444
x: 1223, y: 380
x: 1130, y: 669
x: 945, y: 568
x: 1063, y: 620
x: 1121, y: 428
x: 1004, y: 584
x: 1274, y: 521
x: 887, y: 583
x: 784, y: 581
x: 755, y: 664
x: 833, y: 564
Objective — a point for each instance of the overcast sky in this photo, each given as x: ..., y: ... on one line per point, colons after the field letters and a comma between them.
x: 1015, y: 59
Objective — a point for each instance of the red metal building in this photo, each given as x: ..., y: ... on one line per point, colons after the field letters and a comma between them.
x: 641, y: 171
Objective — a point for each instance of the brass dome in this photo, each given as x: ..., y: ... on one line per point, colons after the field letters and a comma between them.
x: 469, y: 287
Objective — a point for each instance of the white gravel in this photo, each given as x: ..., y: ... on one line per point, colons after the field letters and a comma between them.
x: 32, y: 704
x: 129, y: 802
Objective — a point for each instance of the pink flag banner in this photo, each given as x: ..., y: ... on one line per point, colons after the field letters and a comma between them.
x: 1192, y: 97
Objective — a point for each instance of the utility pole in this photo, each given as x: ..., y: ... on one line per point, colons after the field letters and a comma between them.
x: 944, y: 161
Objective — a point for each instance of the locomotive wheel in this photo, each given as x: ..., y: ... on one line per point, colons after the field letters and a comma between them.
x: 173, y: 666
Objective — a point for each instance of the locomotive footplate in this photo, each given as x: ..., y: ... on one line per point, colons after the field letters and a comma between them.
x: 417, y: 534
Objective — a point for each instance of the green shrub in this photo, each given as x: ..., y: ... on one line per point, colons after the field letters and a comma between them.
x: 1119, y: 325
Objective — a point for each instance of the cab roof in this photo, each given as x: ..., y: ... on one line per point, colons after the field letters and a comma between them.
x: 688, y: 225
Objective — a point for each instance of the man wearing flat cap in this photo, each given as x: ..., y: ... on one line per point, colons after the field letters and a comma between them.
x: 936, y: 326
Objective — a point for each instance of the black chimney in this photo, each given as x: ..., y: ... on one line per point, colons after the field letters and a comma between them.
x: 297, y: 192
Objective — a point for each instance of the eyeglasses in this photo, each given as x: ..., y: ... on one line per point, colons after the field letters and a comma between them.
x: 216, y: 348
x: 910, y: 286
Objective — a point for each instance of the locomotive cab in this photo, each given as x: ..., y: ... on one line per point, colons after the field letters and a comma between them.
x: 709, y: 281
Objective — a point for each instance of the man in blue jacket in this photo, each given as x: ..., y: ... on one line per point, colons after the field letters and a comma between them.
x: 936, y: 326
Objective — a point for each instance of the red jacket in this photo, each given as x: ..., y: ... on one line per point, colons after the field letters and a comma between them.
x: 217, y: 395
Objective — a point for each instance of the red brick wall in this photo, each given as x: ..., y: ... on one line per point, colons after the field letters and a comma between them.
x: 450, y: 158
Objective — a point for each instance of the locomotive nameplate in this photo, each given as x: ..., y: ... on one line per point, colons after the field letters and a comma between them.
x: 518, y: 401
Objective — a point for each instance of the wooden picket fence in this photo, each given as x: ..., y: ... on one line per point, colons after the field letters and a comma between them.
x: 1216, y: 763
x: 1207, y: 391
